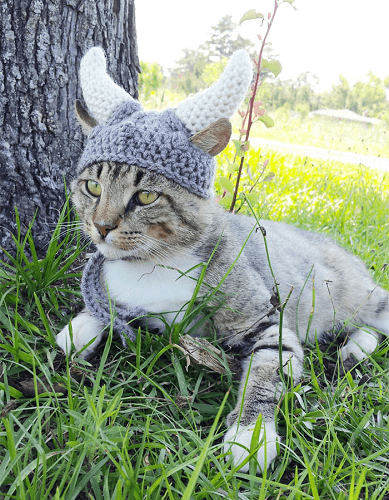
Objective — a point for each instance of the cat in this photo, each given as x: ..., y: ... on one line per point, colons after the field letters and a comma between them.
x: 149, y: 229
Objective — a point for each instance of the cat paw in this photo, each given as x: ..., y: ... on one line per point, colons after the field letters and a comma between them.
x: 359, y: 346
x: 84, y: 328
x: 237, y: 440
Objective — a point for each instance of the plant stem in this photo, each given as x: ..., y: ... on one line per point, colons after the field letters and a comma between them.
x: 254, y: 88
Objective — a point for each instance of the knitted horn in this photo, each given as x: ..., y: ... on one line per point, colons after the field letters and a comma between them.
x: 222, y: 99
x: 102, y: 95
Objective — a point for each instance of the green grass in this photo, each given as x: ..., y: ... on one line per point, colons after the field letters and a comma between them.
x: 321, y: 132
x: 138, y: 423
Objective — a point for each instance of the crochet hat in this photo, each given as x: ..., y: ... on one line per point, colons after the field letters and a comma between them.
x: 180, y: 143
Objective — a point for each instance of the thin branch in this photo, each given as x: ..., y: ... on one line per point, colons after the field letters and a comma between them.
x: 254, y: 89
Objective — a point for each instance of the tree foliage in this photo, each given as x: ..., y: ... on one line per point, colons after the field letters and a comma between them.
x: 150, y: 79
x: 224, y: 40
x: 194, y: 70
x: 365, y: 97
x: 187, y: 75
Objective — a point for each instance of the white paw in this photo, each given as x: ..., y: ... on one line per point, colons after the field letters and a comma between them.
x: 360, y: 344
x: 236, y: 440
x: 84, y: 328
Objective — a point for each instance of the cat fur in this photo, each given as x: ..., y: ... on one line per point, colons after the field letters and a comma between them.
x: 145, y: 247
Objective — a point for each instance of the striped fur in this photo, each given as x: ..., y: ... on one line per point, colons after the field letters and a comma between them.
x: 180, y: 229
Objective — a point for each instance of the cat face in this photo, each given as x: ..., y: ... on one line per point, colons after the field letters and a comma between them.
x: 128, y: 211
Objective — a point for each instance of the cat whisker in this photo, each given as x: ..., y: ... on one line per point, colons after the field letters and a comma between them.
x: 155, y: 250
x: 166, y: 247
x: 84, y: 239
x: 154, y: 254
x: 65, y: 232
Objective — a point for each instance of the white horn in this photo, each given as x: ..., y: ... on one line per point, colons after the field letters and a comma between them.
x: 222, y: 99
x: 102, y: 95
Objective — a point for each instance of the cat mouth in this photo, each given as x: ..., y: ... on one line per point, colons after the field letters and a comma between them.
x: 113, y: 253
x: 134, y: 246
x: 106, y: 245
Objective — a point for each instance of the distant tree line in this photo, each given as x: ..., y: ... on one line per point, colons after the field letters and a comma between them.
x: 197, y: 69
x: 365, y: 97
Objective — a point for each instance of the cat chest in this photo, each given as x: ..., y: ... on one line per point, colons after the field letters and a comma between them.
x: 152, y: 287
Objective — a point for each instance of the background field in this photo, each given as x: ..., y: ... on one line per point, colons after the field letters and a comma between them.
x: 326, y: 133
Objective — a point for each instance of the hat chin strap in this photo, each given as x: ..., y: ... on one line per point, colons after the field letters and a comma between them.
x: 103, y: 96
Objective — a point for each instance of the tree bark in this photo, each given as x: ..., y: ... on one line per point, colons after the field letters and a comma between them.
x: 41, y: 44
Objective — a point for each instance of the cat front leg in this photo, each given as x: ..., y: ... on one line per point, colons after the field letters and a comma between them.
x: 84, y: 329
x: 257, y: 396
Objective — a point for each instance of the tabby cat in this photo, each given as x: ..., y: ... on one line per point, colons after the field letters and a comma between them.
x: 148, y: 224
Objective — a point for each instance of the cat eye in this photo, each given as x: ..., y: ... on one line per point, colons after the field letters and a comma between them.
x: 146, y: 197
x: 93, y: 188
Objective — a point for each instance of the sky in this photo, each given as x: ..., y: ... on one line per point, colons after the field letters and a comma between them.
x: 325, y: 37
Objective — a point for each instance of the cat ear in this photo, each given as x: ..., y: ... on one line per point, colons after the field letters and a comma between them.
x: 86, y: 121
x: 214, y: 138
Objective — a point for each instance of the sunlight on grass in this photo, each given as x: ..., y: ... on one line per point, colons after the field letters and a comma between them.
x: 321, y: 132
x: 347, y: 202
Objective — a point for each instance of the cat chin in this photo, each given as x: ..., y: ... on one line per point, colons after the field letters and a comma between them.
x: 111, y: 252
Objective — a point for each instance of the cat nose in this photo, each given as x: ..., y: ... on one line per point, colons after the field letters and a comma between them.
x: 104, y: 229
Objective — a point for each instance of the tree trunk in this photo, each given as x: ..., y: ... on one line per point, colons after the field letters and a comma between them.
x: 41, y: 44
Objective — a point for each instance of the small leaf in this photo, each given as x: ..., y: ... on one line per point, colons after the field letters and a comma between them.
x: 258, y: 110
x: 245, y: 146
x: 275, y: 67
x: 241, y: 113
x: 232, y: 168
x: 226, y: 184
x: 251, y: 14
x: 269, y: 177
x: 242, y: 131
x: 266, y: 120
x: 241, y: 147
x: 238, y: 145
x: 290, y: 2
x: 259, y: 37
x: 226, y: 201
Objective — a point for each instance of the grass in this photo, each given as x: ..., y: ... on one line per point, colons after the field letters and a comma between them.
x: 138, y: 423
x: 322, y: 132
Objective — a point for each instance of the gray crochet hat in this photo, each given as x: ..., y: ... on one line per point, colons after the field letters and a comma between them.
x: 179, y: 143
x: 158, y: 141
